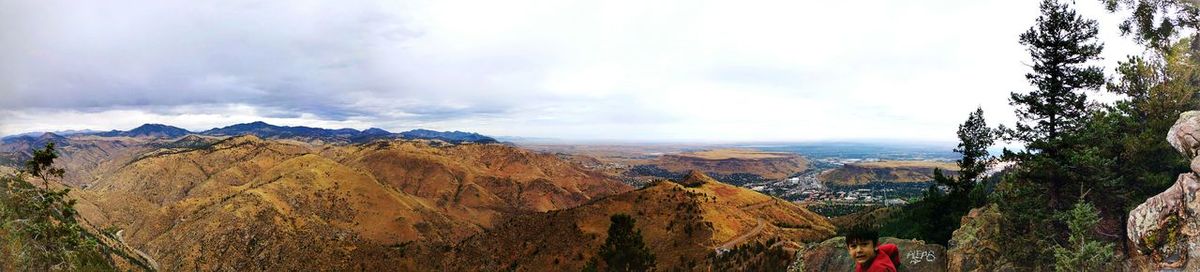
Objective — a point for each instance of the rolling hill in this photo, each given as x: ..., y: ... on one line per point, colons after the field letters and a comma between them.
x: 238, y: 203
x: 232, y: 203
x: 766, y: 165
x: 886, y: 171
x: 683, y: 222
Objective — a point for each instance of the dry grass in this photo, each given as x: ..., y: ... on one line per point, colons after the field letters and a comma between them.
x: 305, y: 204
x: 681, y: 225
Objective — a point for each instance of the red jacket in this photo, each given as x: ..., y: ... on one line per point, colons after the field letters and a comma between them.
x: 886, y: 257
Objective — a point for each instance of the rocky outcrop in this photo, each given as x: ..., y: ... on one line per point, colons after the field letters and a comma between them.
x: 973, y: 246
x: 1166, y: 228
x: 831, y: 255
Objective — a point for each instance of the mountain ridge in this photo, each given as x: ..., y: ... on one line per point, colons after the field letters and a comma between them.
x: 268, y: 131
x: 685, y: 223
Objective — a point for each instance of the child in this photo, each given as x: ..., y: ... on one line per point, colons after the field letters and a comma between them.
x: 868, y: 257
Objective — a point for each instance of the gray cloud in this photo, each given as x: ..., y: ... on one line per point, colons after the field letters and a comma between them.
x: 578, y: 69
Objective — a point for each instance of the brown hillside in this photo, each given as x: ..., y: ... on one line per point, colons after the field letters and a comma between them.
x: 770, y: 165
x: 246, y: 203
x: 887, y: 171
x: 682, y: 226
x: 85, y: 158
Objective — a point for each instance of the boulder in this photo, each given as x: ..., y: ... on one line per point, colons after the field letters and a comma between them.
x: 831, y: 255
x: 973, y: 246
x: 1165, y: 229
x: 1185, y: 134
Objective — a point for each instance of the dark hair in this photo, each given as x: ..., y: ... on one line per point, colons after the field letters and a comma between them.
x: 861, y: 233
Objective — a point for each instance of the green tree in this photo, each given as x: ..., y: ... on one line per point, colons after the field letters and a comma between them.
x: 935, y: 217
x: 1155, y: 23
x: 38, y: 227
x: 974, y: 138
x: 1083, y: 253
x: 1156, y: 90
x: 1129, y: 134
x: 1061, y: 44
x: 624, y: 249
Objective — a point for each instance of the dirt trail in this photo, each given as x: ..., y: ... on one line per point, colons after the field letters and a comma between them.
x: 151, y: 261
x: 757, y: 229
x: 742, y: 238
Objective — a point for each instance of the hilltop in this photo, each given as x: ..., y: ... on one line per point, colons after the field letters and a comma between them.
x: 684, y: 222
x: 886, y: 171
x: 245, y: 202
x: 148, y: 130
x: 729, y: 165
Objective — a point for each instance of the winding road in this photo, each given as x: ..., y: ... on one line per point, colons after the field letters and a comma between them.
x: 742, y: 238
x: 151, y: 261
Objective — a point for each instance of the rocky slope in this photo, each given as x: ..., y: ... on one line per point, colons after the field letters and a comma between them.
x: 1165, y: 229
x: 973, y: 245
x: 684, y: 223
x: 831, y: 255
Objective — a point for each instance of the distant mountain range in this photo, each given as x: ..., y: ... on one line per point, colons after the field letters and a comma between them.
x: 36, y: 134
x: 148, y: 130
x: 269, y: 131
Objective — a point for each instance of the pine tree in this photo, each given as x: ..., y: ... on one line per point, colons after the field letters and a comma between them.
x: 1061, y: 43
x: 1156, y: 87
x: 1155, y: 23
x: 1083, y: 253
x: 624, y: 249
x: 935, y: 217
x: 974, y: 138
x: 38, y: 227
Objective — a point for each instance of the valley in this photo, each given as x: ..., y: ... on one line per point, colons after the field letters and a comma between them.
x: 832, y: 181
x: 595, y: 136
x: 183, y: 200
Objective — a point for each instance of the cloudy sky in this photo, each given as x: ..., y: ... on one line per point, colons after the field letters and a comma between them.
x: 582, y: 70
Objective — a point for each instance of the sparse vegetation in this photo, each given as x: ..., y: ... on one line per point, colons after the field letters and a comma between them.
x: 38, y: 227
x: 754, y: 256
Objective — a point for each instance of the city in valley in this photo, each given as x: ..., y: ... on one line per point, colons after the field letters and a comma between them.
x: 847, y: 179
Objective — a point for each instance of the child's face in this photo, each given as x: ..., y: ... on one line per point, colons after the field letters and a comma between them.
x: 861, y: 251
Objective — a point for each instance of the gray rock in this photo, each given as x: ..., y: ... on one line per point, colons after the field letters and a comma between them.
x: 1185, y: 134
x: 973, y: 245
x: 1166, y: 228
x: 831, y: 255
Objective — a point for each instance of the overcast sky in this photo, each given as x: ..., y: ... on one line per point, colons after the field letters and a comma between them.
x: 583, y: 70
